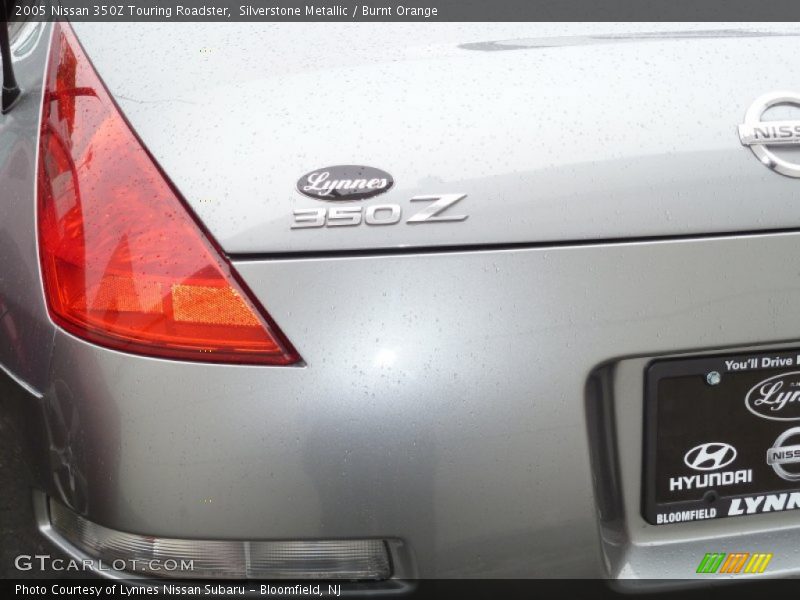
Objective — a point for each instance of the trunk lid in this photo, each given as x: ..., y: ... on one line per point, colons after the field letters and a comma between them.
x: 553, y: 132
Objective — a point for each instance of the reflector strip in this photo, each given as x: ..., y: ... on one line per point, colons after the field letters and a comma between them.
x: 213, y: 305
x: 366, y: 559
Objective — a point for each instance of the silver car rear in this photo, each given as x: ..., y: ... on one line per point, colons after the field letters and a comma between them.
x: 470, y: 391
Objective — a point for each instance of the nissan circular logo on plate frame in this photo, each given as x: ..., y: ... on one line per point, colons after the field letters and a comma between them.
x: 345, y: 182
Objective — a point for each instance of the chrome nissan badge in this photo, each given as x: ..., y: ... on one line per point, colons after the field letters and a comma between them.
x: 760, y: 135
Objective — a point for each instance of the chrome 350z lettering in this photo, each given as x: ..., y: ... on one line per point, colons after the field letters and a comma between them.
x: 437, y: 210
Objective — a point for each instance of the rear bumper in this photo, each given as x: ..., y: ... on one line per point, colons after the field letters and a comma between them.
x: 444, y: 403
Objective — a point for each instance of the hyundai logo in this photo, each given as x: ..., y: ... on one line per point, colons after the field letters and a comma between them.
x: 710, y: 456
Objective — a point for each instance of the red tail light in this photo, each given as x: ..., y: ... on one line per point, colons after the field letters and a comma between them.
x: 124, y: 263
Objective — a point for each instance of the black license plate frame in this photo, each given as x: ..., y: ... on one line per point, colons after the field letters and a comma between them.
x: 695, y: 410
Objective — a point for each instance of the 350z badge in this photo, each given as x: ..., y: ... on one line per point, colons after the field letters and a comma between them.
x: 348, y: 183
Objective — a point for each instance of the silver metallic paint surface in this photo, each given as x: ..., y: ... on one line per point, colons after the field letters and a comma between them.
x: 442, y: 401
x: 26, y: 332
x: 586, y: 139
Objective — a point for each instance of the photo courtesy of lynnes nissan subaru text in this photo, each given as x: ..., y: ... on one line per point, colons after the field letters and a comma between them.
x: 498, y: 300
